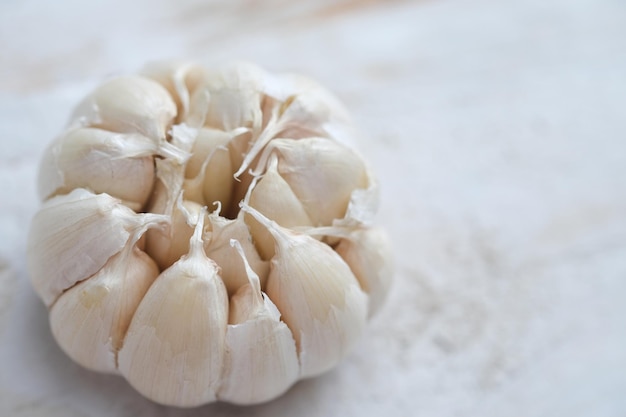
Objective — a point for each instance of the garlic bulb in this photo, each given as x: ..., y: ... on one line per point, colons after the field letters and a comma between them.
x: 208, y: 233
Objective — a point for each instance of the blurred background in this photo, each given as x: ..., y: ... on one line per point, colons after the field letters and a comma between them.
x: 498, y: 132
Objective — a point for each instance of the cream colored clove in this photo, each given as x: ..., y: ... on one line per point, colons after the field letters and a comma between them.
x: 321, y: 172
x: 121, y: 165
x: 318, y: 295
x: 73, y: 236
x: 261, y: 361
x: 174, y: 349
x: 209, y: 171
x: 89, y: 320
x: 128, y: 104
x: 217, y: 246
x: 272, y: 196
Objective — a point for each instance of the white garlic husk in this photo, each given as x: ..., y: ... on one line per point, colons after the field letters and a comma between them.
x: 145, y: 193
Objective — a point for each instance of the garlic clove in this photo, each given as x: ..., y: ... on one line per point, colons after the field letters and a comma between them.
x: 273, y: 197
x: 73, y: 236
x: 218, y: 179
x: 217, y: 247
x: 322, y: 173
x: 230, y: 97
x: 121, y: 165
x: 261, y: 360
x: 296, y: 107
x: 207, y: 141
x: 170, y: 169
x: 315, y: 111
x: 179, y: 78
x: 361, y: 213
x: 167, y: 188
x: 167, y: 245
x: 363, y: 206
x: 320, y: 102
x: 173, y: 351
x: 128, y: 104
x: 209, y: 170
x: 367, y: 251
x: 89, y: 320
x: 317, y: 294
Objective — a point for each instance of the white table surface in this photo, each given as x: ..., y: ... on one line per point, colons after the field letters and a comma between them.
x: 498, y: 131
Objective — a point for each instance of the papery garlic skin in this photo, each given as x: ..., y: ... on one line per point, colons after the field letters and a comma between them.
x: 208, y: 233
